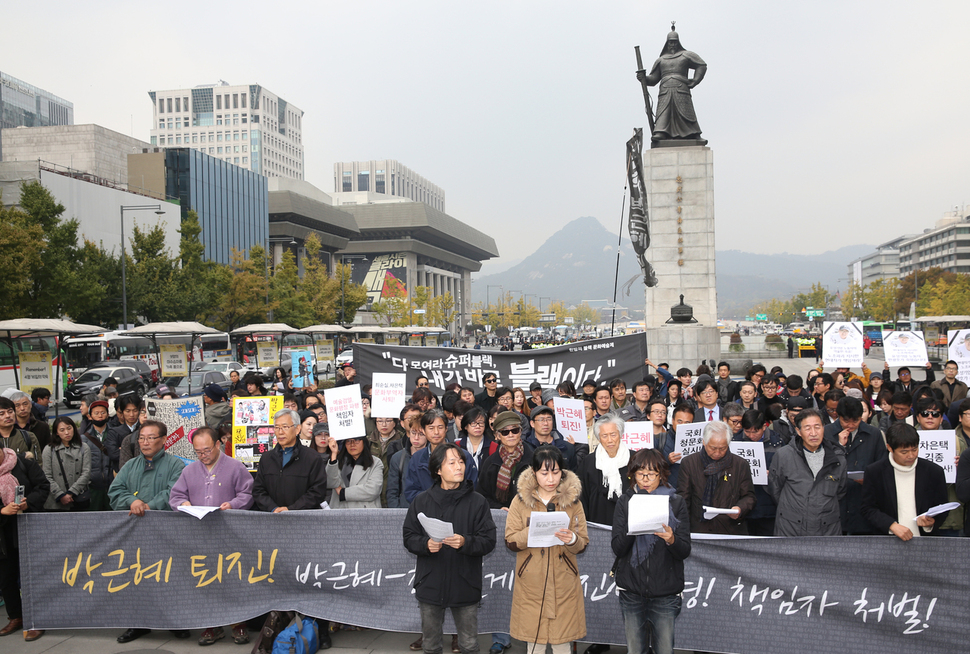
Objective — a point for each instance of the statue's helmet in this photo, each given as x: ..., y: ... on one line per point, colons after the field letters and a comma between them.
x: 672, y: 45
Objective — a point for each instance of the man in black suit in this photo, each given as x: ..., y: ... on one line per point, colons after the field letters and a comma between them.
x: 706, y: 396
x: 863, y: 446
x: 898, y: 490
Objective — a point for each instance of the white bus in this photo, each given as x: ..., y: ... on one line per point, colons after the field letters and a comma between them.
x: 9, y: 362
x: 84, y: 351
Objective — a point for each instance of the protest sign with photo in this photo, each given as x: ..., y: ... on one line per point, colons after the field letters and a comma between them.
x: 842, y: 344
x: 904, y: 348
x: 252, y: 427
x: 959, y: 351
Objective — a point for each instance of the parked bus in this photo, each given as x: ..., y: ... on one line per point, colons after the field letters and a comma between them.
x: 84, y: 351
x: 9, y: 362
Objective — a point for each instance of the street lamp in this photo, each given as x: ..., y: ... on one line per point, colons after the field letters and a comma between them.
x: 124, y: 281
x: 343, y: 278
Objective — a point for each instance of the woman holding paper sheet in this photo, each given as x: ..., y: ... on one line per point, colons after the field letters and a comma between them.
x: 547, y: 598
x: 650, y: 567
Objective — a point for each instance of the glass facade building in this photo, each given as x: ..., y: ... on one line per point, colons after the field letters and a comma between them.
x: 25, y: 105
x: 232, y: 202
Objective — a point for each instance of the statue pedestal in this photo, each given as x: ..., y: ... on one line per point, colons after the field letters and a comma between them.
x: 682, y: 253
x: 680, y: 194
x: 683, y: 345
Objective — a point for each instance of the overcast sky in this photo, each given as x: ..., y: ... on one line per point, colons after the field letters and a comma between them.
x: 832, y: 123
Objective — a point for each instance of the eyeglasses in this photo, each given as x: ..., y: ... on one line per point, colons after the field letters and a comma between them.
x: 491, y: 380
x: 282, y: 427
x: 543, y: 418
x: 930, y: 414
x: 148, y: 439
x: 510, y: 431
x: 646, y: 475
x: 478, y: 423
x: 206, y: 452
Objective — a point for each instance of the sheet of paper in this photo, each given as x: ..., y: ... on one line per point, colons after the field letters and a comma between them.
x: 940, y: 447
x: 387, y: 394
x: 324, y: 505
x: 688, y: 439
x: 638, y: 435
x: 438, y: 530
x: 570, y: 418
x: 754, y: 454
x: 855, y: 475
x: 597, y: 525
x: 904, y: 348
x: 198, y: 511
x: 941, y: 508
x: 648, y: 514
x: 710, y: 512
x: 842, y: 344
x: 543, y: 527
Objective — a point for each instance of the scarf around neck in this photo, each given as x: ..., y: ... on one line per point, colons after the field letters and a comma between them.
x: 645, y: 542
x: 712, y: 470
x: 610, y: 467
x: 8, y: 483
x: 509, y: 460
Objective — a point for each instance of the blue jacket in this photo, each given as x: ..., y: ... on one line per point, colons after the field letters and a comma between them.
x: 419, y: 476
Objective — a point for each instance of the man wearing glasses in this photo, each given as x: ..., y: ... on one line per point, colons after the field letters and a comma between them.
x: 904, y: 381
x: 144, y: 484
x: 929, y: 417
x: 486, y: 399
x: 290, y: 477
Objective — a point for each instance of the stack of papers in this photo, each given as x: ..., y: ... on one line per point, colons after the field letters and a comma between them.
x: 198, y: 511
x: 438, y: 530
x: 710, y: 512
x: 543, y: 527
x: 940, y: 508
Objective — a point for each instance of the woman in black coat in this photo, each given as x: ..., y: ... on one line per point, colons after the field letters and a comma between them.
x: 650, y: 566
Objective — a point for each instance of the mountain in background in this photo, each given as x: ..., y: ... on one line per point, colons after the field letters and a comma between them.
x: 578, y: 263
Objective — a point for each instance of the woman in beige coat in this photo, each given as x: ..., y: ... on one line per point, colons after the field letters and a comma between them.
x: 547, y: 598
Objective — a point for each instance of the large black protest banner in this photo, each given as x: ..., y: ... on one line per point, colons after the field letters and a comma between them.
x: 170, y: 570
x: 602, y: 359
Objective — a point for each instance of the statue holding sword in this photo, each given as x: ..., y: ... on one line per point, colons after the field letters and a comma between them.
x: 675, y: 117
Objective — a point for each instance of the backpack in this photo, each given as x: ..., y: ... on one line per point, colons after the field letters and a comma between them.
x: 301, y: 637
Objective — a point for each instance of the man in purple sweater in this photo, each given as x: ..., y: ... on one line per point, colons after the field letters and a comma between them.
x: 214, y: 480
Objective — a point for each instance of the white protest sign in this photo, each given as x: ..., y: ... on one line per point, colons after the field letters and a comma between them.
x: 174, y: 361
x: 638, y: 435
x: 345, y: 412
x: 35, y: 370
x: 688, y: 439
x: 754, y: 454
x: 959, y: 351
x: 387, y: 394
x: 266, y: 355
x: 904, y: 348
x: 940, y: 447
x: 842, y: 344
x: 570, y: 418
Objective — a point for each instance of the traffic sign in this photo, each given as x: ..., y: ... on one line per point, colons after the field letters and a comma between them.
x: 762, y: 316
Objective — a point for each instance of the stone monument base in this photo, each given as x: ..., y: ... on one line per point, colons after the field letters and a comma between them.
x: 683, y: 346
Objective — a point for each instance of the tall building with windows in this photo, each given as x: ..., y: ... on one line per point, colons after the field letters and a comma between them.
x: 245, y: 125
x: 369, y: 182
x: 25, y: 105
x: 946, y: 246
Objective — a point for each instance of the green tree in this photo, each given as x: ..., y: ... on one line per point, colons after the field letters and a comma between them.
x: 906, y: 295
x: 879, y: 299
x: 559, y: 309
x: 292, y: 307
x: 584, y: 314
x: 98, y: 301
x: 54, y: 281
x: 194, y: 278
x: 852, y: 301
x: 19, y: 255
x: 242, y: 289
x: 151, y: 277
x: 441, y: 310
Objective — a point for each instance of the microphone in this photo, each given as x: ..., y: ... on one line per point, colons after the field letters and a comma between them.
x: 550, y: 507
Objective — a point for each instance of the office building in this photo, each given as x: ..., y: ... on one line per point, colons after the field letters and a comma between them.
x: 94, y: 202
x: 25, y: 105
x: 412, y: 244
x: 245, y: 125
x: 881, y: 264
x: 88, y: 149
x: 946, y: 246
x: 369, y: 182
x: 231, y: 202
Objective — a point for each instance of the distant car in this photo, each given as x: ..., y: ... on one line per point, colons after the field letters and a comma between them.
x: 129, y: 382
x: 226, y: 367
x: 149, y: 374
x: 199, y: 380
x: 347, y: 356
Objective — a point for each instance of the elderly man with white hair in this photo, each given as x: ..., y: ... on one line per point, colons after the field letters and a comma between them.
x: 716, y: 478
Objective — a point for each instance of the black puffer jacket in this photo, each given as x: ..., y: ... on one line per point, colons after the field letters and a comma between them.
x: 301, y: 485
x: 450, y: 577
x: 487, y: 485
x: 662, y: 573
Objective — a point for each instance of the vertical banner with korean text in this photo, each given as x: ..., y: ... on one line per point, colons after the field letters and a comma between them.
x: 571, y: 418
x: 387, y: 394
x: 175, y: 363
x: 35, y: 371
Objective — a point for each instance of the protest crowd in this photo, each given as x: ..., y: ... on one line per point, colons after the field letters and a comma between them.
x: 839, y: 451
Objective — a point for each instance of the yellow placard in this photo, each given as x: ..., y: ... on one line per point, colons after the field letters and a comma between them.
x: 35, y: 371
x: 174, y: 361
